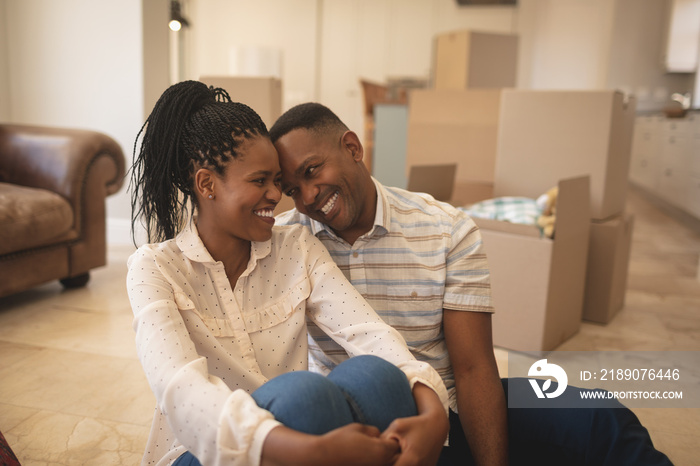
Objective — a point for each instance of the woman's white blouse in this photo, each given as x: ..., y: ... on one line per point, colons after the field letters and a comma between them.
x: 205, y: 347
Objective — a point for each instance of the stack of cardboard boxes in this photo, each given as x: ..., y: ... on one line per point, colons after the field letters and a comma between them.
x: 456, y: 120
x: 545, y: 136
x: 508, y: 142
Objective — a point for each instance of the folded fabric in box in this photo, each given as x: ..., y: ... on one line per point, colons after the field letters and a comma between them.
x: 507, y: 209
x: 540, y: 212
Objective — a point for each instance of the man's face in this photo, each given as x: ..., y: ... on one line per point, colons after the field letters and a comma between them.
x: 320, y: 173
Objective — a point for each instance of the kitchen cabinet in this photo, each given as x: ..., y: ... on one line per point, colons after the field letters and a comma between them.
x: 683, y: 39
x: 693, y: 198
x: 666, y: 159
x: 645, y: 159
x: 673, y: 183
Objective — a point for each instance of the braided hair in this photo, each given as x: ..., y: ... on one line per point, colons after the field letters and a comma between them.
x: 191, y: 126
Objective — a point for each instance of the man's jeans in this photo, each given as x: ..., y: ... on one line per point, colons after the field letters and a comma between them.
x: 565, y: 435
x: 364, y: 389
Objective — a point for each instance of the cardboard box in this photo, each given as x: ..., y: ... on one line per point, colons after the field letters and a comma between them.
x: 461, y: 127
x: 436, y: 180
x: 469, y: 192
x: 545, y: 136
x: 262, y: 94
x: 470, y: 59
x: 608, y: 263
x: 537, y: 282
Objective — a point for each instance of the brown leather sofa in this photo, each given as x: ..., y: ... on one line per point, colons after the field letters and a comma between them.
x: 53, y: 187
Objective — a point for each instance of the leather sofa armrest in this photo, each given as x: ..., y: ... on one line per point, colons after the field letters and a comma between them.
x: 60, y: 160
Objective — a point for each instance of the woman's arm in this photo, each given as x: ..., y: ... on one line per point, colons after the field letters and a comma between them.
x: 216, y: 424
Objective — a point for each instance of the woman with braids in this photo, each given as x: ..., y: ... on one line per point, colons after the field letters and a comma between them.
x: 220, y: 301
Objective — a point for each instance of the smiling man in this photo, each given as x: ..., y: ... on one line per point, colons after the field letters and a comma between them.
x: 420, y: 263
x: 330, y: 189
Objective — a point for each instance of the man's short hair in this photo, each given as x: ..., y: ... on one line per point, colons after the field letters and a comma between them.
x: 310, y: 116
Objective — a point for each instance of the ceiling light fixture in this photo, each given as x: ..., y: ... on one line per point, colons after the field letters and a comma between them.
x: 177, y: 21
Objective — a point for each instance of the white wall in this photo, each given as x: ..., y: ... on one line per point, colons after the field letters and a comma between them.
x: 569, y: 42
x: 4, y: 68
x: 328, y: 45
x: 78, y: 63
x: 381, y: 39
x: 218, y: 26
x: 598, y: 44
x: 637, y: 48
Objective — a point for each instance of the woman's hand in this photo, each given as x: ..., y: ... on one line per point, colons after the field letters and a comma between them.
x: 420, y: 437
x: 359, y: 444
x: 349, y: 445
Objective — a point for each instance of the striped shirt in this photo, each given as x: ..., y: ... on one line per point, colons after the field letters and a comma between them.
x: 421, y: 256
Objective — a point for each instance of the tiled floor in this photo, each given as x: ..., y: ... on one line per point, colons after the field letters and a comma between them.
x: 72, y: 391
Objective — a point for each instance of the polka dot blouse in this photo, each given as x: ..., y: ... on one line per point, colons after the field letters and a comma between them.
x: 205, y: 347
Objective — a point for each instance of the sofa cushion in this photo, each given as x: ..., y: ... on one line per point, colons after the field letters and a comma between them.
x: 31, y: 217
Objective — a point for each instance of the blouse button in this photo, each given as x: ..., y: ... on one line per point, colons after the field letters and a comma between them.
x: 413, y: 294
x: 355, y: 254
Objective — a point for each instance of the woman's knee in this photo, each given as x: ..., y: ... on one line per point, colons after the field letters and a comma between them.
x: 369, y: 368
x: 377, y: 391
x: 304, y: 401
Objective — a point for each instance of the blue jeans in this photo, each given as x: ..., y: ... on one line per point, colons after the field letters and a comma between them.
x: 364, y: 389
x: 607, y: 436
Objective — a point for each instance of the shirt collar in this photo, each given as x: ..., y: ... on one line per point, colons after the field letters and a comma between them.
x: 191, y: 245
x: 381, y: 220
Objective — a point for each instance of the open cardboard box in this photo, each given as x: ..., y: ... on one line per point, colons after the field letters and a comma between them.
x: 456, y: 126
x: 608, y: 264
x: 537, y: 282
x: 545, y: 136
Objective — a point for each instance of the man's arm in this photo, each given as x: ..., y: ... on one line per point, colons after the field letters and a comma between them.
x: 480, y: 398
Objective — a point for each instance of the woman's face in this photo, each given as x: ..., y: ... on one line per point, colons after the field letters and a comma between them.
x: 245, y: 196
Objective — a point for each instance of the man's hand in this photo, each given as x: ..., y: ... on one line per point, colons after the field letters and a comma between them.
x: 420, y: 437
